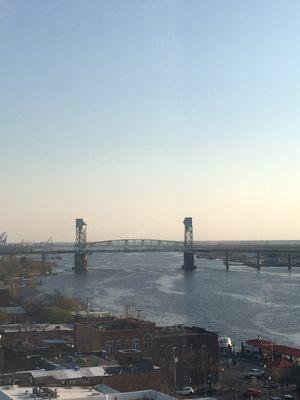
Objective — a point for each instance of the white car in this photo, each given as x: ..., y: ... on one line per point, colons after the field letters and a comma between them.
x: 186, y: 391
x: 257, y: 373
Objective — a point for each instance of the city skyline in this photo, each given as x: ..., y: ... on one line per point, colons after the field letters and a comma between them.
x: 133, y: 115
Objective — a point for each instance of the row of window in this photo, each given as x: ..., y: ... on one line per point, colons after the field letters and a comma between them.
x: 134, y: 343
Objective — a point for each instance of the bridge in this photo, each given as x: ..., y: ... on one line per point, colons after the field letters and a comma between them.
x: 189, y: 247
x: 133, y: 245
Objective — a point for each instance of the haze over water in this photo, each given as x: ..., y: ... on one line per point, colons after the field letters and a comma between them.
x: 241, y: 303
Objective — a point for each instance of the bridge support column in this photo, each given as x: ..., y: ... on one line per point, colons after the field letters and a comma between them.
x: 80, y: 262
x: 258, y: 261
x: 227, y: 260
x: 289, y: 262
x: 80, y: 258
x: 188, y: 255
x: 44, y: 256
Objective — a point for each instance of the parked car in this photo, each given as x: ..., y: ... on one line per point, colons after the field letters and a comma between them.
x: 288, y: 397
x: 275, y: 398
x: 252, y: 392
x: 186, y: 391
x: 256, y: 373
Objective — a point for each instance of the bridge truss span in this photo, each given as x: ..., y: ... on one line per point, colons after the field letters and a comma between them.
x: 135, y: 245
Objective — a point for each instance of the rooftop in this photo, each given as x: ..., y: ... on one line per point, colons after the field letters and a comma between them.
x: 26, y: 393
x: 125, y: 323
x: 276, y: 348
x: 94, y: 313
x: 180, y: 330
x: 77, y: 393
x: 86, y: 360
x: 13, y: 310
x: 67, y: 374
x: 12, y: 328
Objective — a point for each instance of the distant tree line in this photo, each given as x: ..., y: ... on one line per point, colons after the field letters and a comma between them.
x: 53, y: 309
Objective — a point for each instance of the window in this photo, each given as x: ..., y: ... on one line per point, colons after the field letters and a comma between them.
x: 136, y: 343
x: 109, y: 347
x: 147, y: 343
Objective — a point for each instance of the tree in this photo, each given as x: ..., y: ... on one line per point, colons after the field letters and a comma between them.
x: 4, y: 318
x: 55, y: 315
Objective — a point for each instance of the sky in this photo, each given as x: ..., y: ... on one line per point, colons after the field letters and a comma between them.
x: 134, y: 114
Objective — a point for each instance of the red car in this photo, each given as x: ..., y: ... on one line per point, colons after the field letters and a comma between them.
x: 252, y: 392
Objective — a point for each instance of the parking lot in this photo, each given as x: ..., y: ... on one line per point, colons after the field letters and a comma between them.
x: 233, y: 384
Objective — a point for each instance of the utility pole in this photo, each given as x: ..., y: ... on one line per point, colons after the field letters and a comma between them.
x: 204, y: 365
x: 175, y: 359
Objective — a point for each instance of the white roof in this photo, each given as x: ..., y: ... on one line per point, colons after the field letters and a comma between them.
x: 62, y: 374
x: 77, y: 393
x: 104, y: 389
x: 139, y: 395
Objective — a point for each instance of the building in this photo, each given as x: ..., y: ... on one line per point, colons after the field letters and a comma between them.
x: 121, y: 377
x: 192, y: 351
x: 267, y: 350
x: 13, y: 335
x: 18, y: 341
x: 14, y: 314
x: 93, y: 317
x: 100, y: 392
x: 112, y: 336
x: 4, y: 296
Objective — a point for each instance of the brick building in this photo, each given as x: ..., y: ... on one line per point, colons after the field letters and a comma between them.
x: 120, y: 334
x: 189, y: 352
x: 20, y: 340
x: 193, y: 350
x: 139, y: 376
x: 13, y: 335
x: 4, y: 296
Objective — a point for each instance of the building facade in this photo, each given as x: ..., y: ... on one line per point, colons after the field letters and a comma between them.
x: 126, y: 333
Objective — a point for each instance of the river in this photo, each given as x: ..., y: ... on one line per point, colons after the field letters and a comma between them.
x: 241, y: 303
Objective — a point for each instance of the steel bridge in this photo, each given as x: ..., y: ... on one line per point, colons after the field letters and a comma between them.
x: 136, y: 245
x: 223, y: 250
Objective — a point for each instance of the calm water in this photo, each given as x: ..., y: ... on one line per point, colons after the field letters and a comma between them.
x: 241, y: 303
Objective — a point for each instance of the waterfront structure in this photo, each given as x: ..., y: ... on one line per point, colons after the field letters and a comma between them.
x: 271, y: 351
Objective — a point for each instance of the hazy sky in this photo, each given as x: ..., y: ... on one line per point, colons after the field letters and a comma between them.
x: 135, y: 114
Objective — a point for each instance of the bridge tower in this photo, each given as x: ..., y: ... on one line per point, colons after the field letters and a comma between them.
x: 80, y: 259
x: 188, y: 255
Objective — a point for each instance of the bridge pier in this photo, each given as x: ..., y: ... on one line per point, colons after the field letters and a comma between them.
x: 289, y: 262
x: 80, y: 262
x: 227, y: 260
x: 188, y: 255
x: 258, y: 261
x: 80, y: 257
